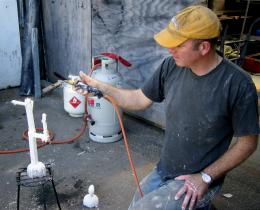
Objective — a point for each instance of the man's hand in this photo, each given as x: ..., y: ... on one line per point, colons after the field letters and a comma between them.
x: 92, y: 83
x: 88, y: 80
x: 194, y: 189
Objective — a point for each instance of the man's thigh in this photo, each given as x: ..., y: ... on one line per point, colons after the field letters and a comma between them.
x: 161, y: 198
x: 160, y: 195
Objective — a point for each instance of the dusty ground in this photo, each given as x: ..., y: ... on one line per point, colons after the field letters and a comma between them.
x: 84, y: 162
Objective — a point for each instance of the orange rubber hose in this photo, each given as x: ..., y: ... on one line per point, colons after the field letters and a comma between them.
x: 67, y: 141
x: 19, y: 150
x: 109, y: 98
x: 93, y: 68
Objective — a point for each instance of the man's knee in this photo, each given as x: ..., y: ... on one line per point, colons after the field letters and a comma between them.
x: 161, y: 198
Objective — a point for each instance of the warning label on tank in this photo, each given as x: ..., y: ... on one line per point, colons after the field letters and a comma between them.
x: 75, y: 102
x: 90, y: 101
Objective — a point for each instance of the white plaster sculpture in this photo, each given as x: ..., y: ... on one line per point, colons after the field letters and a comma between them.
x: 35, y: 168
x: 90, y: 200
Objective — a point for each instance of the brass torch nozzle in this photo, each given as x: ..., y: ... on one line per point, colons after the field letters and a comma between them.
x: 71, y: 82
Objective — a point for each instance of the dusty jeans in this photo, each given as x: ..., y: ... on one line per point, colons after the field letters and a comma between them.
x: 160, y: 195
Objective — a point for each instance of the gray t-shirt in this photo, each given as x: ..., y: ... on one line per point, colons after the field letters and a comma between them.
x: 203, y: 113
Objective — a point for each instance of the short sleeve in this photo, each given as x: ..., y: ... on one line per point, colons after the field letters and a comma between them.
x: 154, y: 87
x: 245, y: 111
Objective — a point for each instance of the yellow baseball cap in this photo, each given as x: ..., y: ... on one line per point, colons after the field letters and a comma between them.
x: 194, y: 22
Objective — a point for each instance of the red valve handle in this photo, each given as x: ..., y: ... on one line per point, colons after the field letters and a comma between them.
x: 117, y: 57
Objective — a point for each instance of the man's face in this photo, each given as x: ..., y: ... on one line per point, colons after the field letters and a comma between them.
x: 186, y: 54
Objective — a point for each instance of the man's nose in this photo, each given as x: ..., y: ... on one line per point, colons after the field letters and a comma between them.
x: 172, y: 50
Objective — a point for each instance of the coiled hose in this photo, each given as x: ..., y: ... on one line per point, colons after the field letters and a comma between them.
x: 82, y: 130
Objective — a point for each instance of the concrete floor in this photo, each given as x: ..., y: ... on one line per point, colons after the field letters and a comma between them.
x: 84, y: 162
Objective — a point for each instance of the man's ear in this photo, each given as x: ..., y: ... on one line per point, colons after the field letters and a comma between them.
x: 204, y: 47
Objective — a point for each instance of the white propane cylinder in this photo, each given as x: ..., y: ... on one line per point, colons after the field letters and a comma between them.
x: 105, y: 128
x: 74, y: 103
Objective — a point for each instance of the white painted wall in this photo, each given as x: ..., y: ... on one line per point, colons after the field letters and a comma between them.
x: 10, y: 48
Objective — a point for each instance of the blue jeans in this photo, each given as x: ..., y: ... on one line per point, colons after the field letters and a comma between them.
x: 160, y: 195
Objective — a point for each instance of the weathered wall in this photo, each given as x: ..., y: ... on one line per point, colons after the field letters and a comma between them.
x: 126, y: 27
x: 10, y: 48
x: 67, y: 30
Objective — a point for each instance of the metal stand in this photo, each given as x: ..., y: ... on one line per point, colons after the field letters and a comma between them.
x: 22, y: 179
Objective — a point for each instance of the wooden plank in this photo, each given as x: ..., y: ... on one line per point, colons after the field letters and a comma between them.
x: 36, y: 65
x: 51, y: 87
x: 21, y: 12
x: 67, y: 29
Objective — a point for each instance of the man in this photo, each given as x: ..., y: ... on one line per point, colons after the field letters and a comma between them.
x: 208, y: 100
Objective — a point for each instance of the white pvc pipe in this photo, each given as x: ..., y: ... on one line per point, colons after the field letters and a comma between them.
x: 31, y: 131
x: 35, y: 168
x: 46, y: 136
x: 33, y: 148
x: 29, y: 114
x: 14, y: 102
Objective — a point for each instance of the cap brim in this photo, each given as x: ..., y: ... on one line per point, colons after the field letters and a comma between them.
x: 169, y: 39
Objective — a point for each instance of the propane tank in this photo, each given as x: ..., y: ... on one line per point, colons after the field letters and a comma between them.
x: 74, y: 103
x: 104, y: 125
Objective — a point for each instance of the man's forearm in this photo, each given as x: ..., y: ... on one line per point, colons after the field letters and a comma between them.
x: 195, y: 188
x: 239, y: 152
x: 127, y: 99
